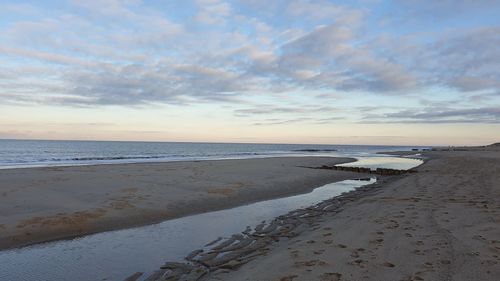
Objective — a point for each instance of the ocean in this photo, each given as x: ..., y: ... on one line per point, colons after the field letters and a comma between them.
x: 44, y: 153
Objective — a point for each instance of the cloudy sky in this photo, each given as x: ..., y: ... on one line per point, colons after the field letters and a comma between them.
x: 341, y: 72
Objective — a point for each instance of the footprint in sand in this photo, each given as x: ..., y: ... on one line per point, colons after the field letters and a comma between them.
x: 288, y: 278
x: 416, y: 276
x: 358, y: 262
x: 392, y: 224
x: 428, y: 265
x: 377, y: 241
x: 309, y: 263
x: 418, y: 252
x: 388, y: 264
x: 330, y: 276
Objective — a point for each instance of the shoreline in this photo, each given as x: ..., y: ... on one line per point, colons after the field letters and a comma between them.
x: 162, y: 161
x: 83, y: 200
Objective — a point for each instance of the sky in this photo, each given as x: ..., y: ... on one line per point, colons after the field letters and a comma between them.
x: 408, y: 72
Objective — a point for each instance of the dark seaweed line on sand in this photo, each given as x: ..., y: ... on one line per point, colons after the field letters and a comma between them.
x: 233, y: 252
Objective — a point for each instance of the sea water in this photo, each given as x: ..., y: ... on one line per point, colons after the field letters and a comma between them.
x: 42, y: 153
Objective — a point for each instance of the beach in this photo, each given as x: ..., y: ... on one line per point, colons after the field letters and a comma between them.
x: 44, y: 204
x: 250, y: 140
x: 441, y: 223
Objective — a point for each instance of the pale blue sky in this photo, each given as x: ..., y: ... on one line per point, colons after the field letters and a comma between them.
x: 366, y: 71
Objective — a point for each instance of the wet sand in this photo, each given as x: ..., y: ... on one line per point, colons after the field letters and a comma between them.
x: 43, y: 204
x: 442, y: 223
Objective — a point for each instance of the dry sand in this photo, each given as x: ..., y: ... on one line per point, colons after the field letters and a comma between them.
x: 41, y: 204
x: 442, y: 223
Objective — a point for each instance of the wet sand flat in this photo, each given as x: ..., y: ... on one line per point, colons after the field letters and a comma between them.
x: 42, y: 204
x: 442, y: 223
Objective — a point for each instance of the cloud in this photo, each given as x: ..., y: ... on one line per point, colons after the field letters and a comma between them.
x: 212, y: 11
x: 281, y: 122
x: 270, y: 109
x: 341, y: 64
x: 139, y: 84
x: 44, y: 56
x: 458, y: 60
x: 437, y: 115
x: 325, y: 10
x: 471, y: 83
x: 474, y: 57
x: 429, y: 8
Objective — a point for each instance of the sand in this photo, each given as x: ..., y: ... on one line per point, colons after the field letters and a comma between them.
x: 43, y: 204
x: 442, y: 223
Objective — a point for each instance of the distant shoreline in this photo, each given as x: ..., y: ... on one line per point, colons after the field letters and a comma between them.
x: 158, y: 161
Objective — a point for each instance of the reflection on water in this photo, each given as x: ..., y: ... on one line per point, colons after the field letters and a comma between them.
x: 374, y: 162
x: 115, y: 255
